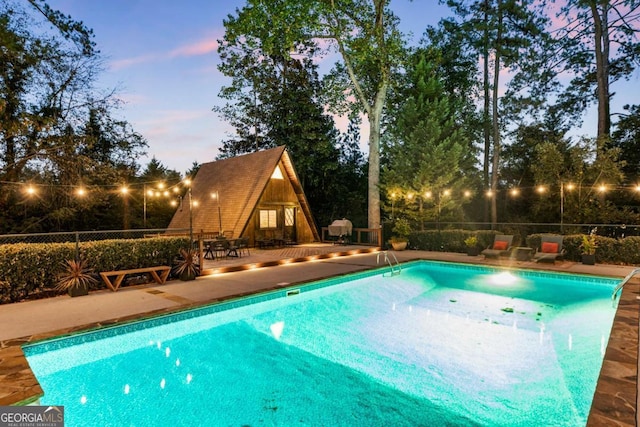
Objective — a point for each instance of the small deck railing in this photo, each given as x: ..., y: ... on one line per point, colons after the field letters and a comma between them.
x: 359, y: 236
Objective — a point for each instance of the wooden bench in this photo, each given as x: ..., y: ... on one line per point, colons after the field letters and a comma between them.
x: 159, y: 274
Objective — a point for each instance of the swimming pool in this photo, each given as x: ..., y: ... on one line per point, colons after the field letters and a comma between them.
x: 439, y: 344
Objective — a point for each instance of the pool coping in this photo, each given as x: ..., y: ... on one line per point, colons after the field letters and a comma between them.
x: 614, y: 403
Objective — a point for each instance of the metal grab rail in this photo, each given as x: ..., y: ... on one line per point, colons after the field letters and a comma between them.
x: 624, y: 281
x: 387, y: 260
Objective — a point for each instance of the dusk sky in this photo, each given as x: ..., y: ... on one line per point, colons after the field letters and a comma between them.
x: 162, y: 57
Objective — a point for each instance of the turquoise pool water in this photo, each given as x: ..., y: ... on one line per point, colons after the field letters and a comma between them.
x: 438, y: 345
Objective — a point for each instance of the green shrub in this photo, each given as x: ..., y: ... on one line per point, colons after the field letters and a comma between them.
x: 629, y: 250
x: 449, y: 240
x: 27, y: 269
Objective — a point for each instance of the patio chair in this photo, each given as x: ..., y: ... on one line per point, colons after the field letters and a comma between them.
x: 220, y: 248
x: 208, y: 253
x: 550, y: 249
x: 243, y: 245
x: 501, y: 246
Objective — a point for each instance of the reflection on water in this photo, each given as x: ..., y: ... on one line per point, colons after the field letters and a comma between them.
x: 435, y: 345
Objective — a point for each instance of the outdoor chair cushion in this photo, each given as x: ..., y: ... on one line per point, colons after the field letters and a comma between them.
x: 549, y: 248
x: 500, y: 245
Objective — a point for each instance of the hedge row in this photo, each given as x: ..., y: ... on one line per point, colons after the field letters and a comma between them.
x: 32, y: 269
x: 624, y: 251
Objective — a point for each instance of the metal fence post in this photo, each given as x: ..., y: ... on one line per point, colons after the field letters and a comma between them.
x: 77, y: 246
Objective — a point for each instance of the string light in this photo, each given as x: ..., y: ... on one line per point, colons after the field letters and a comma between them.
x: 514, y: 192
x: 602, y: 188
x: 541, y: 189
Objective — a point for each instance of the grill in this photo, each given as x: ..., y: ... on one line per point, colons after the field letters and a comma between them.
x: 340, y: 228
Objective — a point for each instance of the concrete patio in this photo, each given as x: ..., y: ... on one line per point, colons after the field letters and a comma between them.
x: 264, y: 270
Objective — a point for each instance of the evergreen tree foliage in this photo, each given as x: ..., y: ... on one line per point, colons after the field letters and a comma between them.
x: 427, y: 153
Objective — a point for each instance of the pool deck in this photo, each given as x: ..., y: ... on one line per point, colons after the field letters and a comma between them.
x: 615, y: 400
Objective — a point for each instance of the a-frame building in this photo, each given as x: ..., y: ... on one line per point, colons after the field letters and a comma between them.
x: 255, y: 195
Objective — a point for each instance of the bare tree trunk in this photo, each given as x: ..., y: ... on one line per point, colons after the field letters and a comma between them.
x: 601, y: 35
x: 486, y: 125
x: 496, y: 122
x: 374, y: 158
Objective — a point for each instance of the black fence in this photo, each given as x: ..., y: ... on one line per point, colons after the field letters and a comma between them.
x: 616, y: 231
x: 88, y: 236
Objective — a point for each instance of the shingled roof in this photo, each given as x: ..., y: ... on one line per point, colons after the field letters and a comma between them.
x: 239, y: 182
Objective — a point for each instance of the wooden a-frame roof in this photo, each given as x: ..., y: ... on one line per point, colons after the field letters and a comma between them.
x: 239, y: 182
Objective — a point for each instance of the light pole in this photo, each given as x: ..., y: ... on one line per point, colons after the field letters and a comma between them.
x: 216, y: 196
x: 187, y: 182
x: 144, y: 207
x: 569, y: 187
x: 561, y: 207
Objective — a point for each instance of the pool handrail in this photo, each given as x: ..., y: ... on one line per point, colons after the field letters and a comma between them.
x: 624, y: 281
x: 387, y: 260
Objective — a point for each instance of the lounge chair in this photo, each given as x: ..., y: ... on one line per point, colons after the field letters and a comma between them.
x: 550, y: 249
x: 501, y: 246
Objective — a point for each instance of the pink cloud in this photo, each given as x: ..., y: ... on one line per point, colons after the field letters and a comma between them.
x: 201, y: 47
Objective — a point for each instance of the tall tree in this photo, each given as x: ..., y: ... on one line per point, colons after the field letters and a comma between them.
x: 504, y: 33
x: 55, y: 127
x: 427, y: 151
x: 600, y: 47
x: 364, y: 32
x: 626, y: 137
x: 276, y: 100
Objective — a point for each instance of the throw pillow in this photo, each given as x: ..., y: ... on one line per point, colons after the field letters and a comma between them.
x: 549, y: 248
x: 500, y: 245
